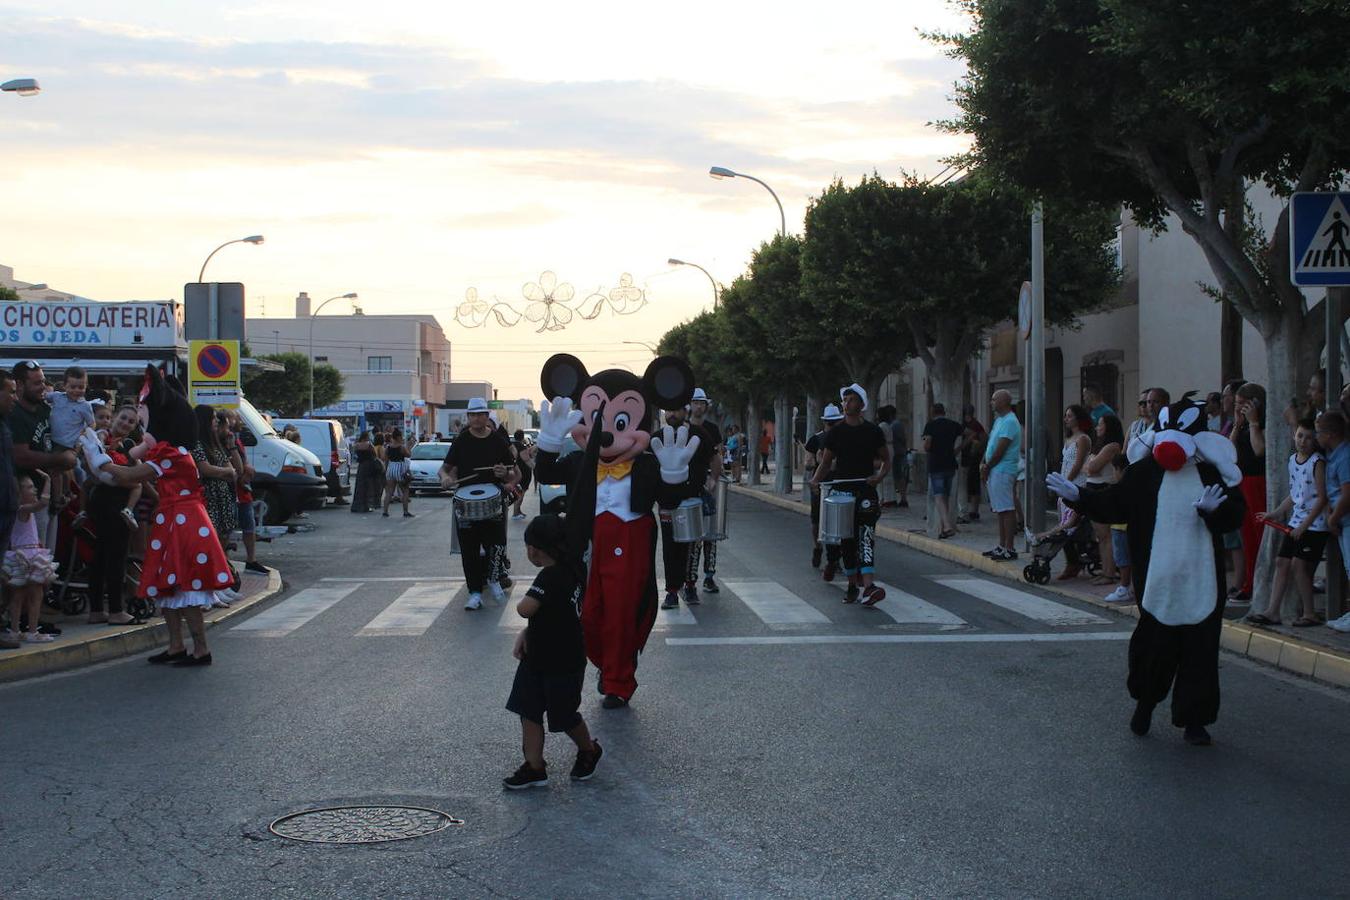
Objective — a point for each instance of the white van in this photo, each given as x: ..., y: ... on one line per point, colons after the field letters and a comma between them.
x: 326, y: 440
x: 288, y: 478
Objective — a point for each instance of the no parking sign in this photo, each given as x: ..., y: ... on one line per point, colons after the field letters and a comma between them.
x: 213, y: 376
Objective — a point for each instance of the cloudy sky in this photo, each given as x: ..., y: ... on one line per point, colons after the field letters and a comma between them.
x: 412, y: 151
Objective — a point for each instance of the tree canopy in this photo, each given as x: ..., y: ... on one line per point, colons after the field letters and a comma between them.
x: 288, y: 392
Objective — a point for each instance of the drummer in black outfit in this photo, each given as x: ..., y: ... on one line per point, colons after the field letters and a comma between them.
x: 814, y: 445
x: 480, y: 454
x: 675, y: 555
x: 856, y: 449
x: 711, y: 438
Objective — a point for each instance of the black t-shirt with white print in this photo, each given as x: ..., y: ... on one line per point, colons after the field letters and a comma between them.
x: 553, y: 642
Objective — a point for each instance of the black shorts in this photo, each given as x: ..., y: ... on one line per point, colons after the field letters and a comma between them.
x: 534, y: 693
x: 1307, y: 548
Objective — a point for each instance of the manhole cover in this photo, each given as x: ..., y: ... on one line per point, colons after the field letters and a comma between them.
x: 362, y: 824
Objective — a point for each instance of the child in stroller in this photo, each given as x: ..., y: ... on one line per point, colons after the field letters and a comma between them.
x: 1074, y: 536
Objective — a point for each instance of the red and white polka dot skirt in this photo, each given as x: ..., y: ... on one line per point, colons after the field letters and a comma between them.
x: 184, y: 563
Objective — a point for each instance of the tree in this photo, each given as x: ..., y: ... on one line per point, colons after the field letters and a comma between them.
x: 287, y: 392
x: 1174, y: 109
x: 8, y: 295
x: 849, y: 281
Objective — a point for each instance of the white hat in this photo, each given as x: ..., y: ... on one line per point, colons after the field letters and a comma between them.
x: 699, y: 395
x: 477, y: 405
x: 854, y: 388
x: 831, y: 413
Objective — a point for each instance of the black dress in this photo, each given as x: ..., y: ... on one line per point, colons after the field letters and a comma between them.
x: 369, y: 481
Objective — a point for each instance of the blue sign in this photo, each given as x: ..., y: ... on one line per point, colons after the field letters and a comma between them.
x: 1319, y: 239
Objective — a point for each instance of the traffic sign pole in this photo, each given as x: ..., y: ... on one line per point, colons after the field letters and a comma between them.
x: 1035, y: 424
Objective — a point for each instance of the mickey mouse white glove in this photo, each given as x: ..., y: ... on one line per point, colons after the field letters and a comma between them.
x: 1210, y: 499
x: 94, y: 455
x: 1062, y: 486
x: 674, y: 453
x: 555, y: 420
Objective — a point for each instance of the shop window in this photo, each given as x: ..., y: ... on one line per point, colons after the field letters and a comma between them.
x: 379, y: 363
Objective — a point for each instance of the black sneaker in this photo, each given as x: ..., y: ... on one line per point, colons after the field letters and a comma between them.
x: 672, y: 600
x: 527, y: 776
x: 815, y: 558
x: 996, y: 553
x: 613, y: 701
x: 872, y: 595
x: 1197, y: 736
x: 691, y: 595
x: 711, y: 586
x: 256, y: 566
x: 828, y: 572
x: 584, y: 767
x: 851, y: 595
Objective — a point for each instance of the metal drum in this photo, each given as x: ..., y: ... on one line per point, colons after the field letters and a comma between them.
x: 715, y: 525
x: 686, y: 521
x: 836, y: 516
x: 478, y: 502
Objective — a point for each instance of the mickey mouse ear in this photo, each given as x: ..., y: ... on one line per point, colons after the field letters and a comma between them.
x: 562, y: 376
x: 670, y: 381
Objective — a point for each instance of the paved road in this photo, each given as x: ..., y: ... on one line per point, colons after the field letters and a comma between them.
x: 966, y: 739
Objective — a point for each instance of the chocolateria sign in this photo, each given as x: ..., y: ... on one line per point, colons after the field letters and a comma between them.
x: 151, y: 323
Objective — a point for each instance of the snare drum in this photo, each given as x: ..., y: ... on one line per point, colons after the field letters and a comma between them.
x: 478, y: 503
x: 686, y: 521
x: 836, y: 516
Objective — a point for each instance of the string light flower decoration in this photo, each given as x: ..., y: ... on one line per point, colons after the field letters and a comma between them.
x: 549, y: 304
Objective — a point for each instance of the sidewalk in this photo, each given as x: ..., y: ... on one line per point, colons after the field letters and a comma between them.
x: 1318, y: 653
x: 82, y: 644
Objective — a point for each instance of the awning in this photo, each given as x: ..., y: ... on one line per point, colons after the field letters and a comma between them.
x: 54, y: 367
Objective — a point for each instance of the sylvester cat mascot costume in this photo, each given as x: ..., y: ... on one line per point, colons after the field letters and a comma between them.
x: 1178, y: 496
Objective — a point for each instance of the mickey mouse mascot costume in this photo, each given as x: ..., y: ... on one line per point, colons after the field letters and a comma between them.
x: 1178, y: 496
x: 624, y: 471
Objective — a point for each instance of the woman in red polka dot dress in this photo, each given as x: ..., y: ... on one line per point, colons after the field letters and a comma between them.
x: 184, y: 564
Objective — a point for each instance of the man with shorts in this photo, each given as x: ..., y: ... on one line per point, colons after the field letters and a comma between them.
x: 856, y: 449
x: 1000, y: 471
x: 939, y: 442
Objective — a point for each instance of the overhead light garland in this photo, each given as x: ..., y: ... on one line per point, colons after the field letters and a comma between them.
x: 549, y: 305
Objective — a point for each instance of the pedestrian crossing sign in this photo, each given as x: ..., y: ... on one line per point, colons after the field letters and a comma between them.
x: 1319, y: 239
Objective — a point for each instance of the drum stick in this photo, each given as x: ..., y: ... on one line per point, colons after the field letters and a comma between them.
x: 1278, y: 526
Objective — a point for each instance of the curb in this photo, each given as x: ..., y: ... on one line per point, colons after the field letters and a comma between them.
x: 1272, y: 648
x: 61, y: 657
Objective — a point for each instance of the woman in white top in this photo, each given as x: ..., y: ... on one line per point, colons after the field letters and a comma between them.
x: 1077, y: 421
x: 1301, y: 549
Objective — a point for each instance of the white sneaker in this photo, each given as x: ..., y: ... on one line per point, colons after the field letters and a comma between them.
x: 475, y: 601
x: 1121, y: 594
x: 1341, y: 624
x: 497, y: 593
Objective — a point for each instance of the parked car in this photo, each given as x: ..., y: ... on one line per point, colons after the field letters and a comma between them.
x: 287, y: 477
x: 553, y: 497
x: 426, y: 461
x: 325, y: 439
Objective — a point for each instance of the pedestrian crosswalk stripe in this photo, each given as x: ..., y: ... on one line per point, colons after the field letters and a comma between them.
x: 774, y: 604
x: 680, y: 615
x: 295, y: 611
x: 414, y: 611
x: 904, y: 608
x: 510, y: 618
x: 1022, y: 603
x: 983, y: 638
x: 360, y: 581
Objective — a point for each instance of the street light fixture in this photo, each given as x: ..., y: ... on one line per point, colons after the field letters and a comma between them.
x: 24, y: 87
x: 251, y: 239
x: 312, y: 317
x: 679, y: 262
x: 720, y: 172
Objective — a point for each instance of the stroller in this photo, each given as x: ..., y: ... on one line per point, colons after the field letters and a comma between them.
x: 75, y: 540
x: 1077, y: 536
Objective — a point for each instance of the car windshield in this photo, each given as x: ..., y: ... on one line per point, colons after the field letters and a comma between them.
x: 430, y: 451
x: 254, y: 420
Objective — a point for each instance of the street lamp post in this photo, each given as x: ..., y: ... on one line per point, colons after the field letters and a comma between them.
x: 713, y: 281
x: 254, y: 239
x: 720, y: 172
x: 312, y: 317
x: 24, y: 87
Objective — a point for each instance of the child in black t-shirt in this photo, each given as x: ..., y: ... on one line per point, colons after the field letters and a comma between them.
x: 552, y: 658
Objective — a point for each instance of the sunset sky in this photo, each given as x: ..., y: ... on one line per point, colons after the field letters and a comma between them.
x: 412, y: 151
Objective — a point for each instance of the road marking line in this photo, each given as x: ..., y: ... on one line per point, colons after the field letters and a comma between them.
x: 399, y: 578
x: 775, y: 604
x: 907, y: 609
x: 899, y: 639
x: 680, y: 615
x: 294, y: 611
x: 413, y: 612
x: 1022, y: 603
x: 510, y: 618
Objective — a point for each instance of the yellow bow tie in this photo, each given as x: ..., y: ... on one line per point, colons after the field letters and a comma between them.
x: 616, y: 471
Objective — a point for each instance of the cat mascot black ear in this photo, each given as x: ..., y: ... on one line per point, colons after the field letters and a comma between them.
x: 169, y: 415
